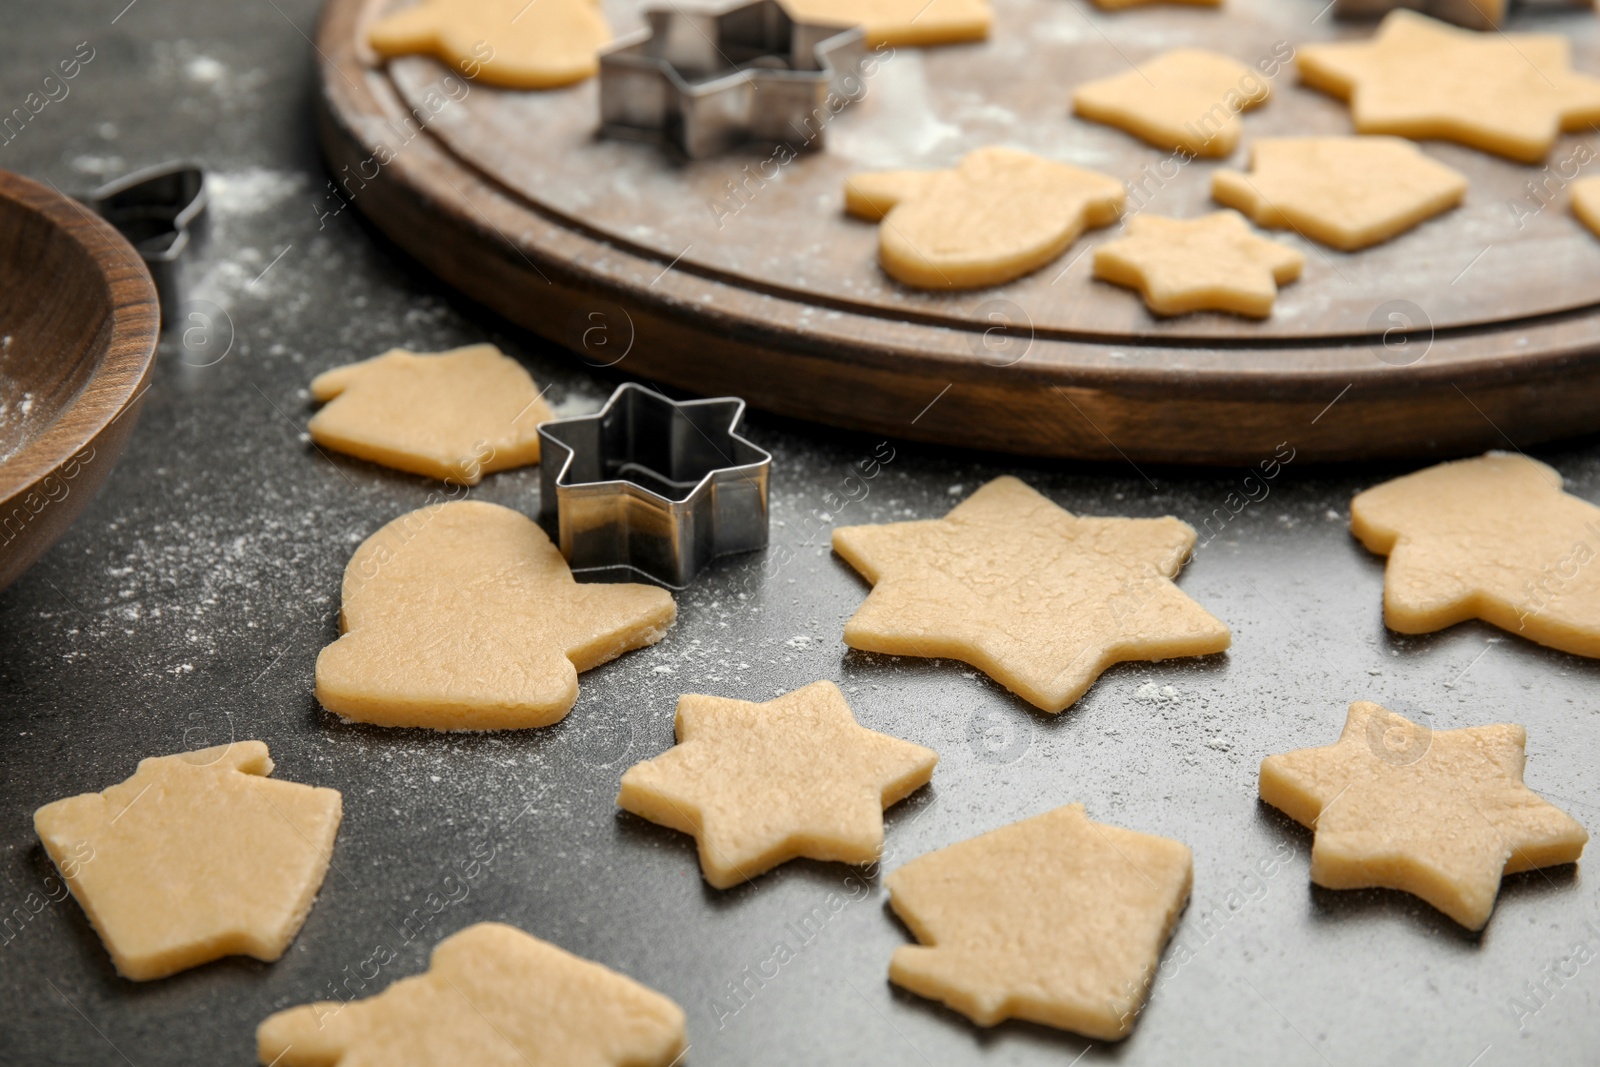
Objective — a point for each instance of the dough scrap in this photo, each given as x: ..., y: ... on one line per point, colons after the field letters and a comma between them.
x: 1491, y: 538
x: 1184, y: 100
x: 1586, y: 203
x: 901, y: 23
x: 510, y: 43
x: 492, y: 996
x: 1508, y: 93
x: 463, y: 616
x: 454, y: 415
x: 1037, y: 598
x: 1440, y: 814
x: 1347, y: 192
x: 1055, y: 919
x: 1213, y: 262
x: 199, y: 855
x: 999, y: 214
x: 759, y: 784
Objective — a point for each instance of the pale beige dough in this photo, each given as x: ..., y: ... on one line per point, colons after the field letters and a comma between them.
x: 1037, y: 598
x: 454, y: 415
x: 1054, y: 919
x: 1347, y: 192
x: 1586, y: 203
x: 759, y: 784
x: 1491, y: 538
x: 1120, y: 5
x: 1214, y: 262
x: 999, y: 214
x: 464, y: 616
x: 1437, y: 813
x: 1508, y: 93
x: 511, y: 43
x: 197, y: 856
x: 896, y: 23
x: 492, y: 996
x: 1184, y: 100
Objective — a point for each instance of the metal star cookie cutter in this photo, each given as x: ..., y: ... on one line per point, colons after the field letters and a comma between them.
x: 706, y: 80
x: 658, y: 486
x: 156, y: 210
x: 1472, y: 14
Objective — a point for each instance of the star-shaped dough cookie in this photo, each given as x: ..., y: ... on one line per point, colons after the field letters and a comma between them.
x: 454, y: 415
x: 1492, y: 538
x: 464, y: 616
x: 897, y: 23
x: 1437, y: 813
x: 196, y: 857
x: 759, y: 784
x: 1586, y: 203
x: 998, y: 215
x: 510, y: 43
x: 1214, y: 262
x: 492, y: 996
x: 1508, y: 93
x: 1037, y: 598
x: 1054, y: 919
x: 1347, y: 192
x: 1183, y: 100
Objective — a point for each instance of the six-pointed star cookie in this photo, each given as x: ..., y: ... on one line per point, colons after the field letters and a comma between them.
x: 997, y: 216
x: 1508, y: 93
x: 197, y: 856
x: 897, y: 23
x: 1184, y: 265
x: 464, y: 616
x: 1437, y: 813
x: 492, y: 996
x: 1586, y: 203
x: 1037, y: 598
x: 1491, y: 538
x: 1055, y: 919
x: 1348, y: 192
x: 759, y: 784
x: 511, y: 43
x: 1185, y: 100
x: 453, y: 415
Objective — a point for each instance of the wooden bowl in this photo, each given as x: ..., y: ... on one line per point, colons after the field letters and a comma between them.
x: 78, y: 329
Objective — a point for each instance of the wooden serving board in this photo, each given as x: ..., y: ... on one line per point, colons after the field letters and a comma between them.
x: 738, y: 275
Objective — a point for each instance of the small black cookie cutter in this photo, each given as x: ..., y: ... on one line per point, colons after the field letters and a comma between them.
x: 157, y: 209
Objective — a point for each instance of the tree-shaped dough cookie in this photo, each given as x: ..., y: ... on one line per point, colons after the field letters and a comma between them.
x: 759, y: 784
x: 1054, y: 919
x: 464, y: 616
x: 492, y: 996
x: 197, y: 856
x: 897, y: 23
x: 454, y: 415
x: 517, y: 44
x: 1441, y: 814
x: 1037, y: 598
x: 1184, y: 100
x: 1214, y: 262
x: 998, y: 215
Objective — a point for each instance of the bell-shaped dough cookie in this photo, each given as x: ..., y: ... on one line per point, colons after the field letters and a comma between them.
x: 1214, y: 262
x: 998, y: 215
x: 195, y: 857
x: 901, y: 23
x: 492, y: 996
x: 518, y: 44
x: 454, y: 415
x: 1185, y: 100
x: 464, y: 616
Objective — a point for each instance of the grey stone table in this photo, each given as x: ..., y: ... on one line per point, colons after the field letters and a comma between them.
x: 188, y: 605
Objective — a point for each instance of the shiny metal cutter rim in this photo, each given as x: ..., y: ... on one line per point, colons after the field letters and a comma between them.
x: 653, y: 485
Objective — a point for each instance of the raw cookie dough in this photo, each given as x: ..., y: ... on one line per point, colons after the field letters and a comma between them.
x: 1120, y: 5
x: 196, y: 857
x: 1185, y: 100
x: 896, y: 23
x: 1347, y: 192
x: 1508, y: 93
x: 1213, y: 262
x: 758, y: 784
x: 1037, y: 598
x: 464, y: 616
x: 1492, y: 538
x: 1054, y: 919
x: 510, y: 43
x: 999, y: 214
x: 453, y: 415
x: 492, y: 996
x: 1437, y: 813
x: 1586, y: 203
